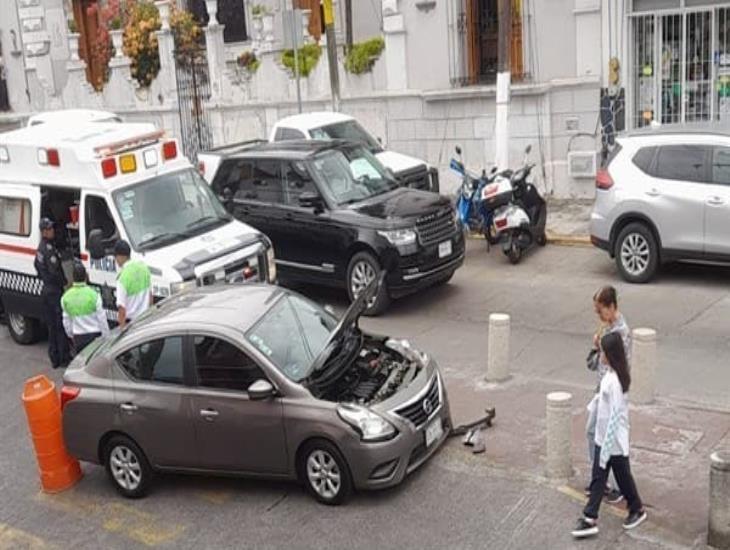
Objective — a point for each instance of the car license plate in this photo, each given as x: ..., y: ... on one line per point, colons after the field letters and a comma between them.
x: 445, y: 249
x: 434, y: 431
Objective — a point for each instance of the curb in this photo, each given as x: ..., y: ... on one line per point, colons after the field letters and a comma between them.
x: 568, y: 240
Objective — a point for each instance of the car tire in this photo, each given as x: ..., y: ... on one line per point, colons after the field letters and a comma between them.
x: 24, y: 330
x: 325, y: 472
x: 364, y: 267
x: 637, y: 253
x: 127, y: 467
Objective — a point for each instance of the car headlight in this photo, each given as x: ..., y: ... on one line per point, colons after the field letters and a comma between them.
x: 371, y: 427
x: 403, y: 239
x: 271, y: 264
x: 182, y: 285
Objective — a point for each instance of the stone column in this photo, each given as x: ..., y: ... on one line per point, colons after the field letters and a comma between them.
x: 558, y: 422
x: 216, y: 53
x: 718, y: 535
x: 643, y: 366
x: 498, y: 347
x: 166, y: 48
x: 395, y: 46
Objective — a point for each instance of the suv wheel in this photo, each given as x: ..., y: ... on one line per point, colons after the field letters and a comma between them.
x: 127, y: 467
x: 23, y: 330
x: 361, y: 271
x: 323, y: 469
x: 637, y: 254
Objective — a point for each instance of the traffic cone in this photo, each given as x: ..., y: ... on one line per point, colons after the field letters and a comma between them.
x: 58, y: 470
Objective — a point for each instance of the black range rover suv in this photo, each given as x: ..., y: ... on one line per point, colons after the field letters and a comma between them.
x: 337, y: 217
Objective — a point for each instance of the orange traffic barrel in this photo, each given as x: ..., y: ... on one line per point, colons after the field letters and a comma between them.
x: 57, y: 469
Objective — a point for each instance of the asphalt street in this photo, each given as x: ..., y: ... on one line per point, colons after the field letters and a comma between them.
x: 456, y: 500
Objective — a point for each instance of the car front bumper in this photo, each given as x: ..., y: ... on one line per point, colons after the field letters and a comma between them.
x: 381, y: 465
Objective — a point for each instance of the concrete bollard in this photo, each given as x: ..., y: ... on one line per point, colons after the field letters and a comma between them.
x: 558, y: 423
x: 643, y: 366
x: 498, y: 347
x: 718, y: 535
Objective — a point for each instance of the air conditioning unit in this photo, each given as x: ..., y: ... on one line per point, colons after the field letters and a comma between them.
x: 582, y: 164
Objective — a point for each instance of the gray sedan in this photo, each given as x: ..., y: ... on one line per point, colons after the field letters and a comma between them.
x: 254, y: 380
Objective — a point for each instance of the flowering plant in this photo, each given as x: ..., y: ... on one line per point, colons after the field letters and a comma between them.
x: 248, y: 60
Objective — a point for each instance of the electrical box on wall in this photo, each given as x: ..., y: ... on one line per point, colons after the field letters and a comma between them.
x: 582, y: 164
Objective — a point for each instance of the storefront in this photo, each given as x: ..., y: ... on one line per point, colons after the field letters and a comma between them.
x: 678, y: 61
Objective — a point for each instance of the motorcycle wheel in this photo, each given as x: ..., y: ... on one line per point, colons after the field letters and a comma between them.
x: 542, y: 240
x: 514, y: 253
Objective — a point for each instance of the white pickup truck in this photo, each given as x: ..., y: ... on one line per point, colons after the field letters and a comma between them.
x: 409, y: 171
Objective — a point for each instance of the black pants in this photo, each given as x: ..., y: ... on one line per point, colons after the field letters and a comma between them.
x: 58, y: 350
x: 622, y: 472
x: 83, y: 340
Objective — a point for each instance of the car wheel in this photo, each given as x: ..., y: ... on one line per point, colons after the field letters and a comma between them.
x: 127, y: 467
x: 363, y: 269
x: 23, y: 330
x: 637, y: 254
x: 325, y: 472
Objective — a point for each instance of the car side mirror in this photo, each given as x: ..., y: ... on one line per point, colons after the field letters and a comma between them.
x: 311, y: 200
x: 95, y: 244
x: 260, y: 390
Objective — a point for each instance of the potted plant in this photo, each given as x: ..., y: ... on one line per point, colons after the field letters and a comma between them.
x: 257, y: 14
x: 117, y: 34
x: 248, y: 61
x: 73, y: 40
x: 212, y: 7
x: 267, y: 20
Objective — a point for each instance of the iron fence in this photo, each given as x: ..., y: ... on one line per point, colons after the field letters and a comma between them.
x: 193, y: 91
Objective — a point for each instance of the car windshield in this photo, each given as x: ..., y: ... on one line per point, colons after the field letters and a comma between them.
x: 168, y: 208
x: 292, y: 334
x: 350, y: 174
x: 349, y: 130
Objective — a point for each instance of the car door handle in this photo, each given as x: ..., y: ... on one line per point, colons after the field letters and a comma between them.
x: 653, y: 192
x: 715, y: 201
x: 128, y: 407
x: 209, y: 414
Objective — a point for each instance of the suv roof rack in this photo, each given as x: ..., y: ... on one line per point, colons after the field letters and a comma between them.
x: 232, y: 148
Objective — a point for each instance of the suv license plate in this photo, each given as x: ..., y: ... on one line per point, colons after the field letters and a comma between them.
x: 445, y: 249
x: 434, y: 431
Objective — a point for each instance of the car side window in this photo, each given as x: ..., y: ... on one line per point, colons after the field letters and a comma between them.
x: 267, y: 186
x: 220, y: 364
x: 721, y: 165
x: 98, y: 216
x: 681, y: 162
x: 284, y: 134
x: 643, y: 159
x: 236, y: 176
x: 158, y: 360
x: 296, y: 181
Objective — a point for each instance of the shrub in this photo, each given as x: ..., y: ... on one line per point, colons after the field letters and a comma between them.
x: 257, y: 10
x: 308, y: 58
x: 72, y: 26
x: 363, y: 55
x: 248, y: 60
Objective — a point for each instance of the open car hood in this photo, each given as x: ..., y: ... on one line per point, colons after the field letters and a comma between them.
x: 350, y: 318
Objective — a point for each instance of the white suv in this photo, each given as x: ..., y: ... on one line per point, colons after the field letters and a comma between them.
x: 664, y: 196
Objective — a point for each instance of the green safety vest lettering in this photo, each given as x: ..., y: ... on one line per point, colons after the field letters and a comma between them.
x: 79, y: 300
x: 135, y: 277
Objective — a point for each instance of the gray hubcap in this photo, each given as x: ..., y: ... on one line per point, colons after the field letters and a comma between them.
x: 635, y: 254
x: 17, y: 323
x: 323, y: 474
x: 125, y: 468
x: 362, y: 275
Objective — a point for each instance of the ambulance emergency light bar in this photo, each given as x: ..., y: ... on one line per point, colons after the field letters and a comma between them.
x: 127, y: 163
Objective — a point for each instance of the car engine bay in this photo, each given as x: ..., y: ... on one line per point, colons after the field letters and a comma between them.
x: 381, y: 368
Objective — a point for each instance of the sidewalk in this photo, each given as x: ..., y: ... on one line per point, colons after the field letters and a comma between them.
x: 568, y: 221
x: 670, y: 451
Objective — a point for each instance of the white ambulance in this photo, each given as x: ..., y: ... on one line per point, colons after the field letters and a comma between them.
x: 100, y: 182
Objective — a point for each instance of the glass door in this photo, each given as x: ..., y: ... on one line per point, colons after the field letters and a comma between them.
x: 671, y: 32
x: 698, y: 67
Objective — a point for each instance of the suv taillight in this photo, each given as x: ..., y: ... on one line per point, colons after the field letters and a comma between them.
x: 603, y: 179
x: 69, y: 393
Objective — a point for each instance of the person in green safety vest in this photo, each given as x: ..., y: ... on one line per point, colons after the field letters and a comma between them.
x: 134, y: 285
x: 84, y: 317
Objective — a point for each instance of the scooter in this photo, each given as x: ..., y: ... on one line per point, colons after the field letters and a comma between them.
x: 476, y: 201
x: 521, y: 223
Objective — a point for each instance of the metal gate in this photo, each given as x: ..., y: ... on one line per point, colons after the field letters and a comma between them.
x: 193, y: 91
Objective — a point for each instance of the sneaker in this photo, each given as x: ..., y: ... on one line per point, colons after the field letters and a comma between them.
x: 614, y: 496
x: 586, y: 527
x: 634, y: 520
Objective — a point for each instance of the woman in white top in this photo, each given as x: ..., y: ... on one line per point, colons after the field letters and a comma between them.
x: 611, y: 440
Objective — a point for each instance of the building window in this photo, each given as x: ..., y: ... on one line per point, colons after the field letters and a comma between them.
x: 474, y: 30
x: 231, y: 13
x: 680, y: 65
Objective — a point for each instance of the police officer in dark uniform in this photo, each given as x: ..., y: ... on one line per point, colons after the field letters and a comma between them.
x: 49, y: 268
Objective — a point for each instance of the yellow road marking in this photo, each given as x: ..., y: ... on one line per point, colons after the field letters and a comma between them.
x: 580, y: 497
x: 117, y: 517
x: 216, y: 497
x: 12, y: 538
